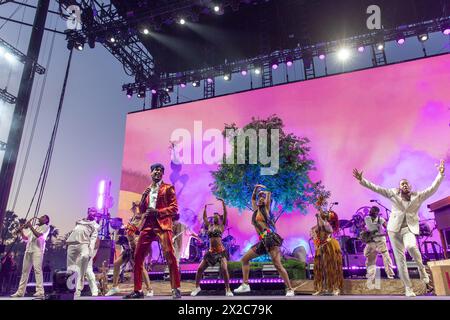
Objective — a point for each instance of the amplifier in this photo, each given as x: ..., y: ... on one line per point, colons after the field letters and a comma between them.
x: 105, y: 252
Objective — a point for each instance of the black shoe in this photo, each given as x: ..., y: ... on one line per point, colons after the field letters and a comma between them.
x: 135, y: 295
x: 176, y: 294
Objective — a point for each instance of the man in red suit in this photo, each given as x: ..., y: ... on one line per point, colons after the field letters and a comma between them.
x: 159, y: 205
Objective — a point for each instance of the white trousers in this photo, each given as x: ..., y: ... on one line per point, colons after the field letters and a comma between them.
x: 32, y: 259
x: 90, y: 275
x: 78, y: 260
x: 405, y: 239
x: 371, y: 251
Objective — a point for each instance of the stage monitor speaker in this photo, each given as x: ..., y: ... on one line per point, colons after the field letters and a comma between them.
x: 105, y: 253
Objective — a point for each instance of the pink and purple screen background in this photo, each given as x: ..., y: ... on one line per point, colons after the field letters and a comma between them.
x: 391, y: 122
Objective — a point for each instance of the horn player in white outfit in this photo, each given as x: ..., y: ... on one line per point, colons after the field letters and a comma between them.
x: 403, y: 225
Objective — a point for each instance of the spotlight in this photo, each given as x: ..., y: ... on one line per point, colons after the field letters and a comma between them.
x: 322, y: 56
x: 343, y: 54
x: 423, y: 37
x: 257, y: 70
x: 112, y: 39
x: 169, y: 88
x: 380, y: 46
x: 154, y: 91
x: 361, y: 49
x: 80, y: 46
x: 141, y: 92
x: 289, y: 61
x: 401, y: 41
x: 216, y: 8
x: 196, y: 83
x: 145, y: 31
x: 227, y: 76
x: 129, y: 93
x: 182, y: 21
x: 10, y: 57
x: 183, y: 85
x: 210, y: 80
x: 244, y: 72
x: 274, y: 64
x: 446, y: 30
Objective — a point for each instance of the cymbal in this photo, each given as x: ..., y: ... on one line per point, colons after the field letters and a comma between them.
x: 344, y: 224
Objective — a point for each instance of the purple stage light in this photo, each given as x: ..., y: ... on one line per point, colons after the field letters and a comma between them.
x: 446, y: 31
x: 289, y: 63
x: 275, y: 66
x: 401, y: 41
x: 244, y: 72
x: 154, y: 91
x: 361, y: 49
x: 210, y: 80
x: 322, y: 57
x: 183, y: 85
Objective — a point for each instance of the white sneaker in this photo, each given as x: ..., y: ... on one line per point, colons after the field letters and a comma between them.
x: 113, y: 291
x: 244, y: 287
x: 390, y: 276
x: 370, y: 285
x: 77, y: 294
x: 229, y: 294
x: 94, y: 294
x: 196, y: 291
x: 424, y: 276
x: 16, y: 295
x: 317, y: 293
x: 336, y: 292
x: 409, y: 292
x: 290, y: 293
x: 149, y: 293
x: 39, y: 295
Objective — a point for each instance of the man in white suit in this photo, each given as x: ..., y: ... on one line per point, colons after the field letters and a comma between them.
x: 403, y: 225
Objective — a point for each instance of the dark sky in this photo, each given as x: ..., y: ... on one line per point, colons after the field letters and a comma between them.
x: 91, y: 133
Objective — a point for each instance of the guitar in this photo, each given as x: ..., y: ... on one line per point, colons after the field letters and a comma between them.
x: 369, y: 236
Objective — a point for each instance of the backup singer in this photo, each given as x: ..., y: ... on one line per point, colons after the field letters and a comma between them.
x: 328, y: 272
x: 159, y: 203
x: 128, y: 242
x: 403, y: 225
x: 216, y: 253
x: 90, y: 275
x: 34, y: 253
x: 81, y: 247
x: 269, y: 243
x: 376, y: 243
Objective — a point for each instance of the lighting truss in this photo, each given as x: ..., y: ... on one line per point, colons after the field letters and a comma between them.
x: 7, y: 97
x: 21, y: 56
x: 297, y: 53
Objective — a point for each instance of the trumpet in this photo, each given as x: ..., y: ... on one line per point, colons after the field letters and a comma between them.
x: 19, y: 229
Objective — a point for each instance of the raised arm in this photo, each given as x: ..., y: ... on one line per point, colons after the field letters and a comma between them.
x: 255, y: 194
x: 428, y: 192
x: 268, y: 200
x: 205, y: 217
x: 369, y: 185
x: 224, y: 212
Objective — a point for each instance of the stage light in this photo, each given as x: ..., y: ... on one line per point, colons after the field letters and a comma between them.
x: 361, y: 49
x: 210, y: 80
x: 380, y: 46
x: 10, y: 57
x: 216, y: 8
x: 112, y: 39
x: 274, y: 64
x: 182, y: 21
x: 244, y: 72
x: 401, y: 41
x: 227, y: 76
x: 129, y: 93
x: 196, y: 83
x: 446, y: 31
x: 145, y: 31
x: 169, y: 88
x: 257, y: 71
x: 183, y: 85
x: 154, y: 91
x: 423, y: 37
x: 80, y: 46
x: 343, y: 54
x: 141, y: 92
x: 289, y: 61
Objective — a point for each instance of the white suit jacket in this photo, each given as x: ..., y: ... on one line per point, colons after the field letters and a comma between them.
x: 400, y: 208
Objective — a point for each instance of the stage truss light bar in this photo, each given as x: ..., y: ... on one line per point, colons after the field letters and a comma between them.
x: 7, y: 97
x: 20, y: 56
x: 283, y: 56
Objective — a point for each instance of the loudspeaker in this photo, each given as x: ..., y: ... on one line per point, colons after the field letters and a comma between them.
x: 105, y: 253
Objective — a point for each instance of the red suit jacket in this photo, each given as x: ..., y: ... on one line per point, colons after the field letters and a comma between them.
x: 166, y: 205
